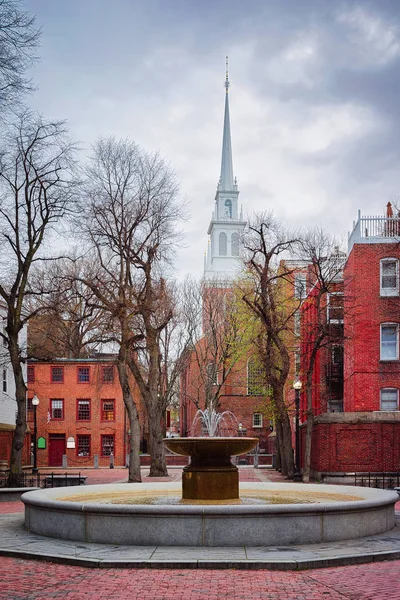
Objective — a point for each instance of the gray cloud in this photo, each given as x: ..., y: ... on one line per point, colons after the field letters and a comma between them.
x: 314, y: 97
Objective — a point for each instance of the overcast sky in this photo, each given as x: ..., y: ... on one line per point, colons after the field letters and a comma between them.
x: 314, y: 98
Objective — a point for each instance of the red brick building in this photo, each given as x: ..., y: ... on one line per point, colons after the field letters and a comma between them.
x: 241, y: 394
x: 81, y: 412
x: 366, y: 436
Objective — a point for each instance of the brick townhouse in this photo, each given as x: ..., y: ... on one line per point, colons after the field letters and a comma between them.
x: 81, y: 412
x: 364, y: 434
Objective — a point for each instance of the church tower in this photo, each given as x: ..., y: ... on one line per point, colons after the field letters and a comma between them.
x: 226, y: 226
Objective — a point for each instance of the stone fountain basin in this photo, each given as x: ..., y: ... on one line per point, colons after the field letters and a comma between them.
x: 371, y: 512
x: 204, y: 447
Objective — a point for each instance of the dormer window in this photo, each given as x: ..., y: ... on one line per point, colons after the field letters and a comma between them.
x: 389, y: 277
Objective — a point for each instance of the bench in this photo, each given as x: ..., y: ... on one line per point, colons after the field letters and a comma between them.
x: 64, y: 480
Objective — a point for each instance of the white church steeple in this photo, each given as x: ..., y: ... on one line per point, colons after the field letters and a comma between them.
x: 226, y: 227
x: 226, y: 178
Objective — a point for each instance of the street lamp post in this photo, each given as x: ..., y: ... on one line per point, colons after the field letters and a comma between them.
x: 297, y: 473
x: 35, y: 404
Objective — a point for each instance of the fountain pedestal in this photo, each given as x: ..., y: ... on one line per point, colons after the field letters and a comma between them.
x: 210, y: 474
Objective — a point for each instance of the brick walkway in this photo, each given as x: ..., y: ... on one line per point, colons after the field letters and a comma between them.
x: 33, y: 580
x: 29, y: 580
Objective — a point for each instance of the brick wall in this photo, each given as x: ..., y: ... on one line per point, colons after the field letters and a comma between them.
x: 69, y: 426
x: 357, y: 442
x: 365, y: 309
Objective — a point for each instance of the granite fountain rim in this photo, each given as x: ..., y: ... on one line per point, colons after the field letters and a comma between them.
x: 49, y: 499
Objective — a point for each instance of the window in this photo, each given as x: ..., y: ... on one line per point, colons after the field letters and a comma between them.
x: 56, y: 408
x: 228, y: 209
x: 83, y: 374
x: 300, y: 286
x: 255, y: 378
x: 334, y: 307
x: 222, y: 244
x: 296, y: 319
x: 31, y: 374
x: 4, y: 380
x: 108, y: 374
x: 83, y: 446
x: 297, y: 362
x: 83, y: 411
x: 29, y: 410
x: 108, y: 410
x: 389, y: 277
x: 57, y: 374
x: 389, y: 399
x: 235, y: 244
x: 337, y: 355
x: 389, y: 341
x: 107, y: 445
x: 257, y: 420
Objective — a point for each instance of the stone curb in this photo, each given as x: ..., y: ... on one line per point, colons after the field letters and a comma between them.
x: 272, y: 565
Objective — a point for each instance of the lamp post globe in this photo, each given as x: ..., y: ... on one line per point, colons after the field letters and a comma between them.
x: 297, y: 385
x: 35, y: 404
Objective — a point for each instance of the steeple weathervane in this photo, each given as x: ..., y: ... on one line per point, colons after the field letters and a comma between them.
x: 227, y: 84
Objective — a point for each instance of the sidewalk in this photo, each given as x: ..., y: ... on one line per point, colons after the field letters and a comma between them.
x: 17, y: 542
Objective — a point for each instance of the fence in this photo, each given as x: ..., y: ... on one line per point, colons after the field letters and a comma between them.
x: 40, y: 480
x: 378, y: 480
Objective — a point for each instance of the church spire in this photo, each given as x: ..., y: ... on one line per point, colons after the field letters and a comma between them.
x: 226, y: 182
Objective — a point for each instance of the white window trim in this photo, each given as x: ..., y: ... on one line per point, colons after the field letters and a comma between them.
x: 380, y: 399
x: 257, y: 426
x: 329, y: 308
x: 385, y: 292
x: 397, y: 342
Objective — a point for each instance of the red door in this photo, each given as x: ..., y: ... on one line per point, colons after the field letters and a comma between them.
x: 56, y: 450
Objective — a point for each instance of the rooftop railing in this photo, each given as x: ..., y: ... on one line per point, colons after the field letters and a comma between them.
x: 374, y: 230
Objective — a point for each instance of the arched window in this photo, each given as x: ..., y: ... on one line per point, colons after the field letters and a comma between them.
x: 228, y: 209
x: 235, y: 244
x: 222, y: 244
x: 255, y: 378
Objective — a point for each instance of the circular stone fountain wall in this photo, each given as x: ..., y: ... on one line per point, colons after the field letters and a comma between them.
x: 340, y: 512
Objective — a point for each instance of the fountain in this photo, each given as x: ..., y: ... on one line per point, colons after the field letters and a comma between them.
x: 210, y: 474
x: 211, y: 514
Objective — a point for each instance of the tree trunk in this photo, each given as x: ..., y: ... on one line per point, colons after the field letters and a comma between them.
x: 158, y: 465
x: 307, y: 452
x: 287, y: 448
x: 309, y: 429
x: 134, y: 449
x: 20, y: 396
x: 278, y: 445
x: 284, y: 434
x: 133, y: 417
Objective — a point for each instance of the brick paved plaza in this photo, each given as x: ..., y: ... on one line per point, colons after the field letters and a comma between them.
x: 31, y: 580
x: 34, y: 580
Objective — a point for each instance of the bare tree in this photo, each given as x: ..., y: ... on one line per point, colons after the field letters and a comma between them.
x: 217, y: 338
x: 322, y: 322
x: 19, y: 38
x: 264, y: 293
x: 37, y: 188
x: 130, y: 216
x: 69, y: 323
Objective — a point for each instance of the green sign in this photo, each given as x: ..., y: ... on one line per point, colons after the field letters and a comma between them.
x: 41, y: 443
